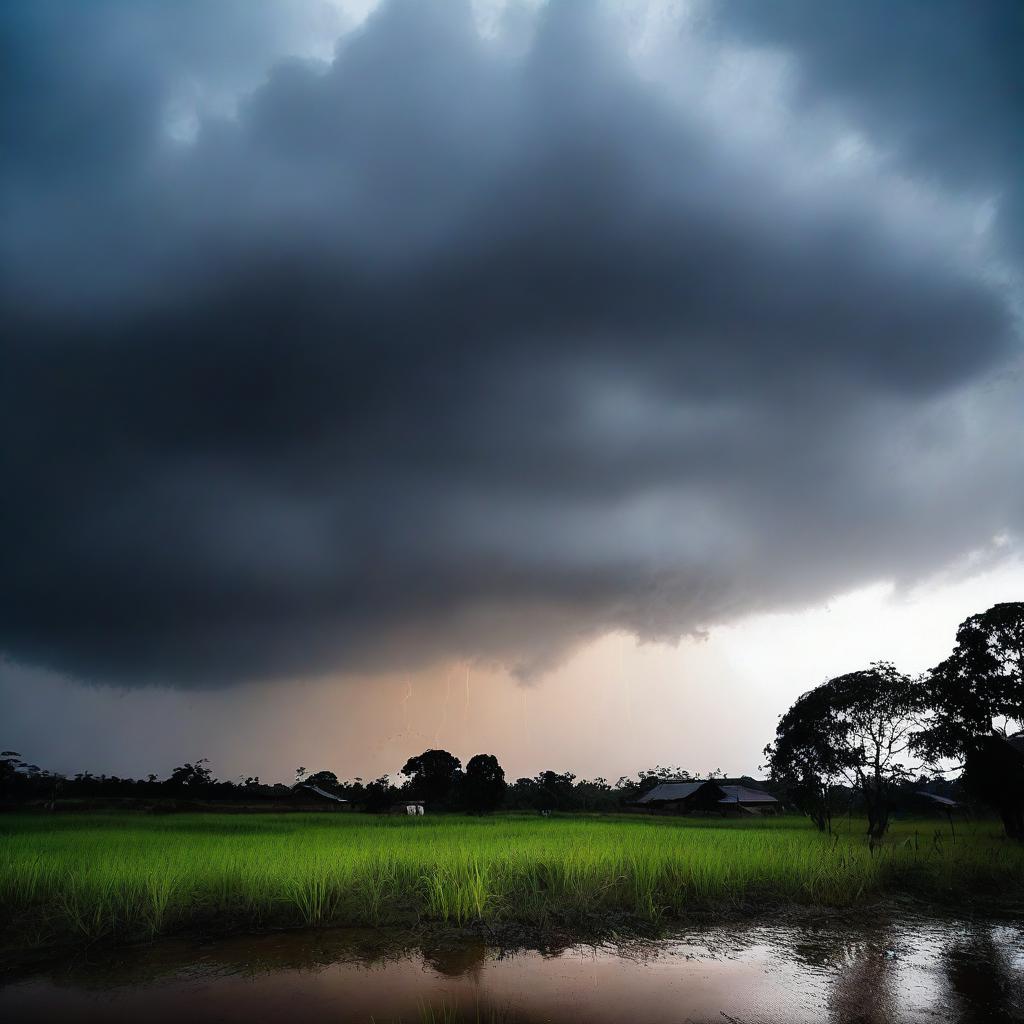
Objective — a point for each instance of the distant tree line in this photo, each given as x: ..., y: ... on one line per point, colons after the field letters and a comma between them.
x: 871, y: 732
x: 863, y: 742
x: 435, y: 776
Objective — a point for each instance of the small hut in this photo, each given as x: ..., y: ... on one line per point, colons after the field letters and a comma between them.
x: 412, y: 808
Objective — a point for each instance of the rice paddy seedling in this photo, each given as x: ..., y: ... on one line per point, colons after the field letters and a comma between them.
x: 123, y: 876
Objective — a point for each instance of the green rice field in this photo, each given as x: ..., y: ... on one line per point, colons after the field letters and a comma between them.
x: 92, y: 877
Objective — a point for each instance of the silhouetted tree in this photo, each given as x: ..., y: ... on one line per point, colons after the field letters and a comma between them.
x: 483, y: 786
x: 521, y: 795
x: 854, y: 728
x: 433, y: 775
x: 977, y: 696
x: 994, y: 775
x: 595, y: 795
x: 379, y: 795
x: 11, y: 765
x: 979, y: 689
x: 192, y: 776
x: 803, y: 761
x: 555, y: 791
x: 325, y: 780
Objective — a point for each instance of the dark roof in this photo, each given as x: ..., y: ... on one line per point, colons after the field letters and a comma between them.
x: 676, y: 790
x: 944, y: 800
x: 671, y: 791
x: 322, y: 792
x: 746, y: 795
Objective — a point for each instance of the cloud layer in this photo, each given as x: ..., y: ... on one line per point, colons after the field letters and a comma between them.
x: 472, y: 346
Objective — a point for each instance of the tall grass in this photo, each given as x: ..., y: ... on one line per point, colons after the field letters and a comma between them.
x: 126, y: 876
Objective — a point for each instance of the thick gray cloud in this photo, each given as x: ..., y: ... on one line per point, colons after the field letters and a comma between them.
x: 466, y: 346
x: 937, y: 85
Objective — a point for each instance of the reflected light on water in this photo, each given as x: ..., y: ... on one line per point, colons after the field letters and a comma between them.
x: 903, y: 972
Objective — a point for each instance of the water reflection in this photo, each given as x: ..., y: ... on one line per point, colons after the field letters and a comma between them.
x: 457, y: 960
x: 984, y: 977
x: 865, y: 990
x: 895, y: 971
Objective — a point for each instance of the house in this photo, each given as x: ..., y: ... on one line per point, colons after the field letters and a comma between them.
x: 682, y: 797
x: 751, y: 801
x: 685, y: 797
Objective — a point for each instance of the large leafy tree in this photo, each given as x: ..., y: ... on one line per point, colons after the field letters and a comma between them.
x: 856, y: 729
x: 804, y: 761
x: 433, y: 775
x: 325, y: 780
x: 555, y: 791
x: 979, y: 689
x: 977, y: 697
x: 483, y: 786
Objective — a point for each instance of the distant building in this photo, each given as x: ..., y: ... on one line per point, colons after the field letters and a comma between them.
x: 942, y: 803
x: 746, y: 799
x: 412, y: 808
x: 316, y: 794
x: 678, y: 797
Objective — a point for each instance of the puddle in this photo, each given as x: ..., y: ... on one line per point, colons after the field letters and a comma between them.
x: 929, y: 970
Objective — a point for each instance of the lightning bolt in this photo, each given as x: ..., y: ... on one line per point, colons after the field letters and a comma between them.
x: 444, y: 713
x: 405, y: 704
x: 406, y: 733
x: 526, y: 728
x: 628, y: 679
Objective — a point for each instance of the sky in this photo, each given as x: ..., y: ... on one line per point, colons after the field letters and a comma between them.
x: 575, y: 382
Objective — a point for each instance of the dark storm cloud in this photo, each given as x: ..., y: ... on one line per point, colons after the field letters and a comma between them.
x: 454, y: 347
x: 938, y: 85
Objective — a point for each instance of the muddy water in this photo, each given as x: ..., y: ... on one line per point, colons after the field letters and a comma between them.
x: 905, y: 972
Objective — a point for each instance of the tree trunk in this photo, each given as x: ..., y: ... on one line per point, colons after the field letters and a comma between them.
x: 878, y: 813
x: 994, y: 774
x: 1012, y: 813
x: 878, y: 825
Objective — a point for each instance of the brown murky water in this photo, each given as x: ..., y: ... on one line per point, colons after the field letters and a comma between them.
x: 924, y: 970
